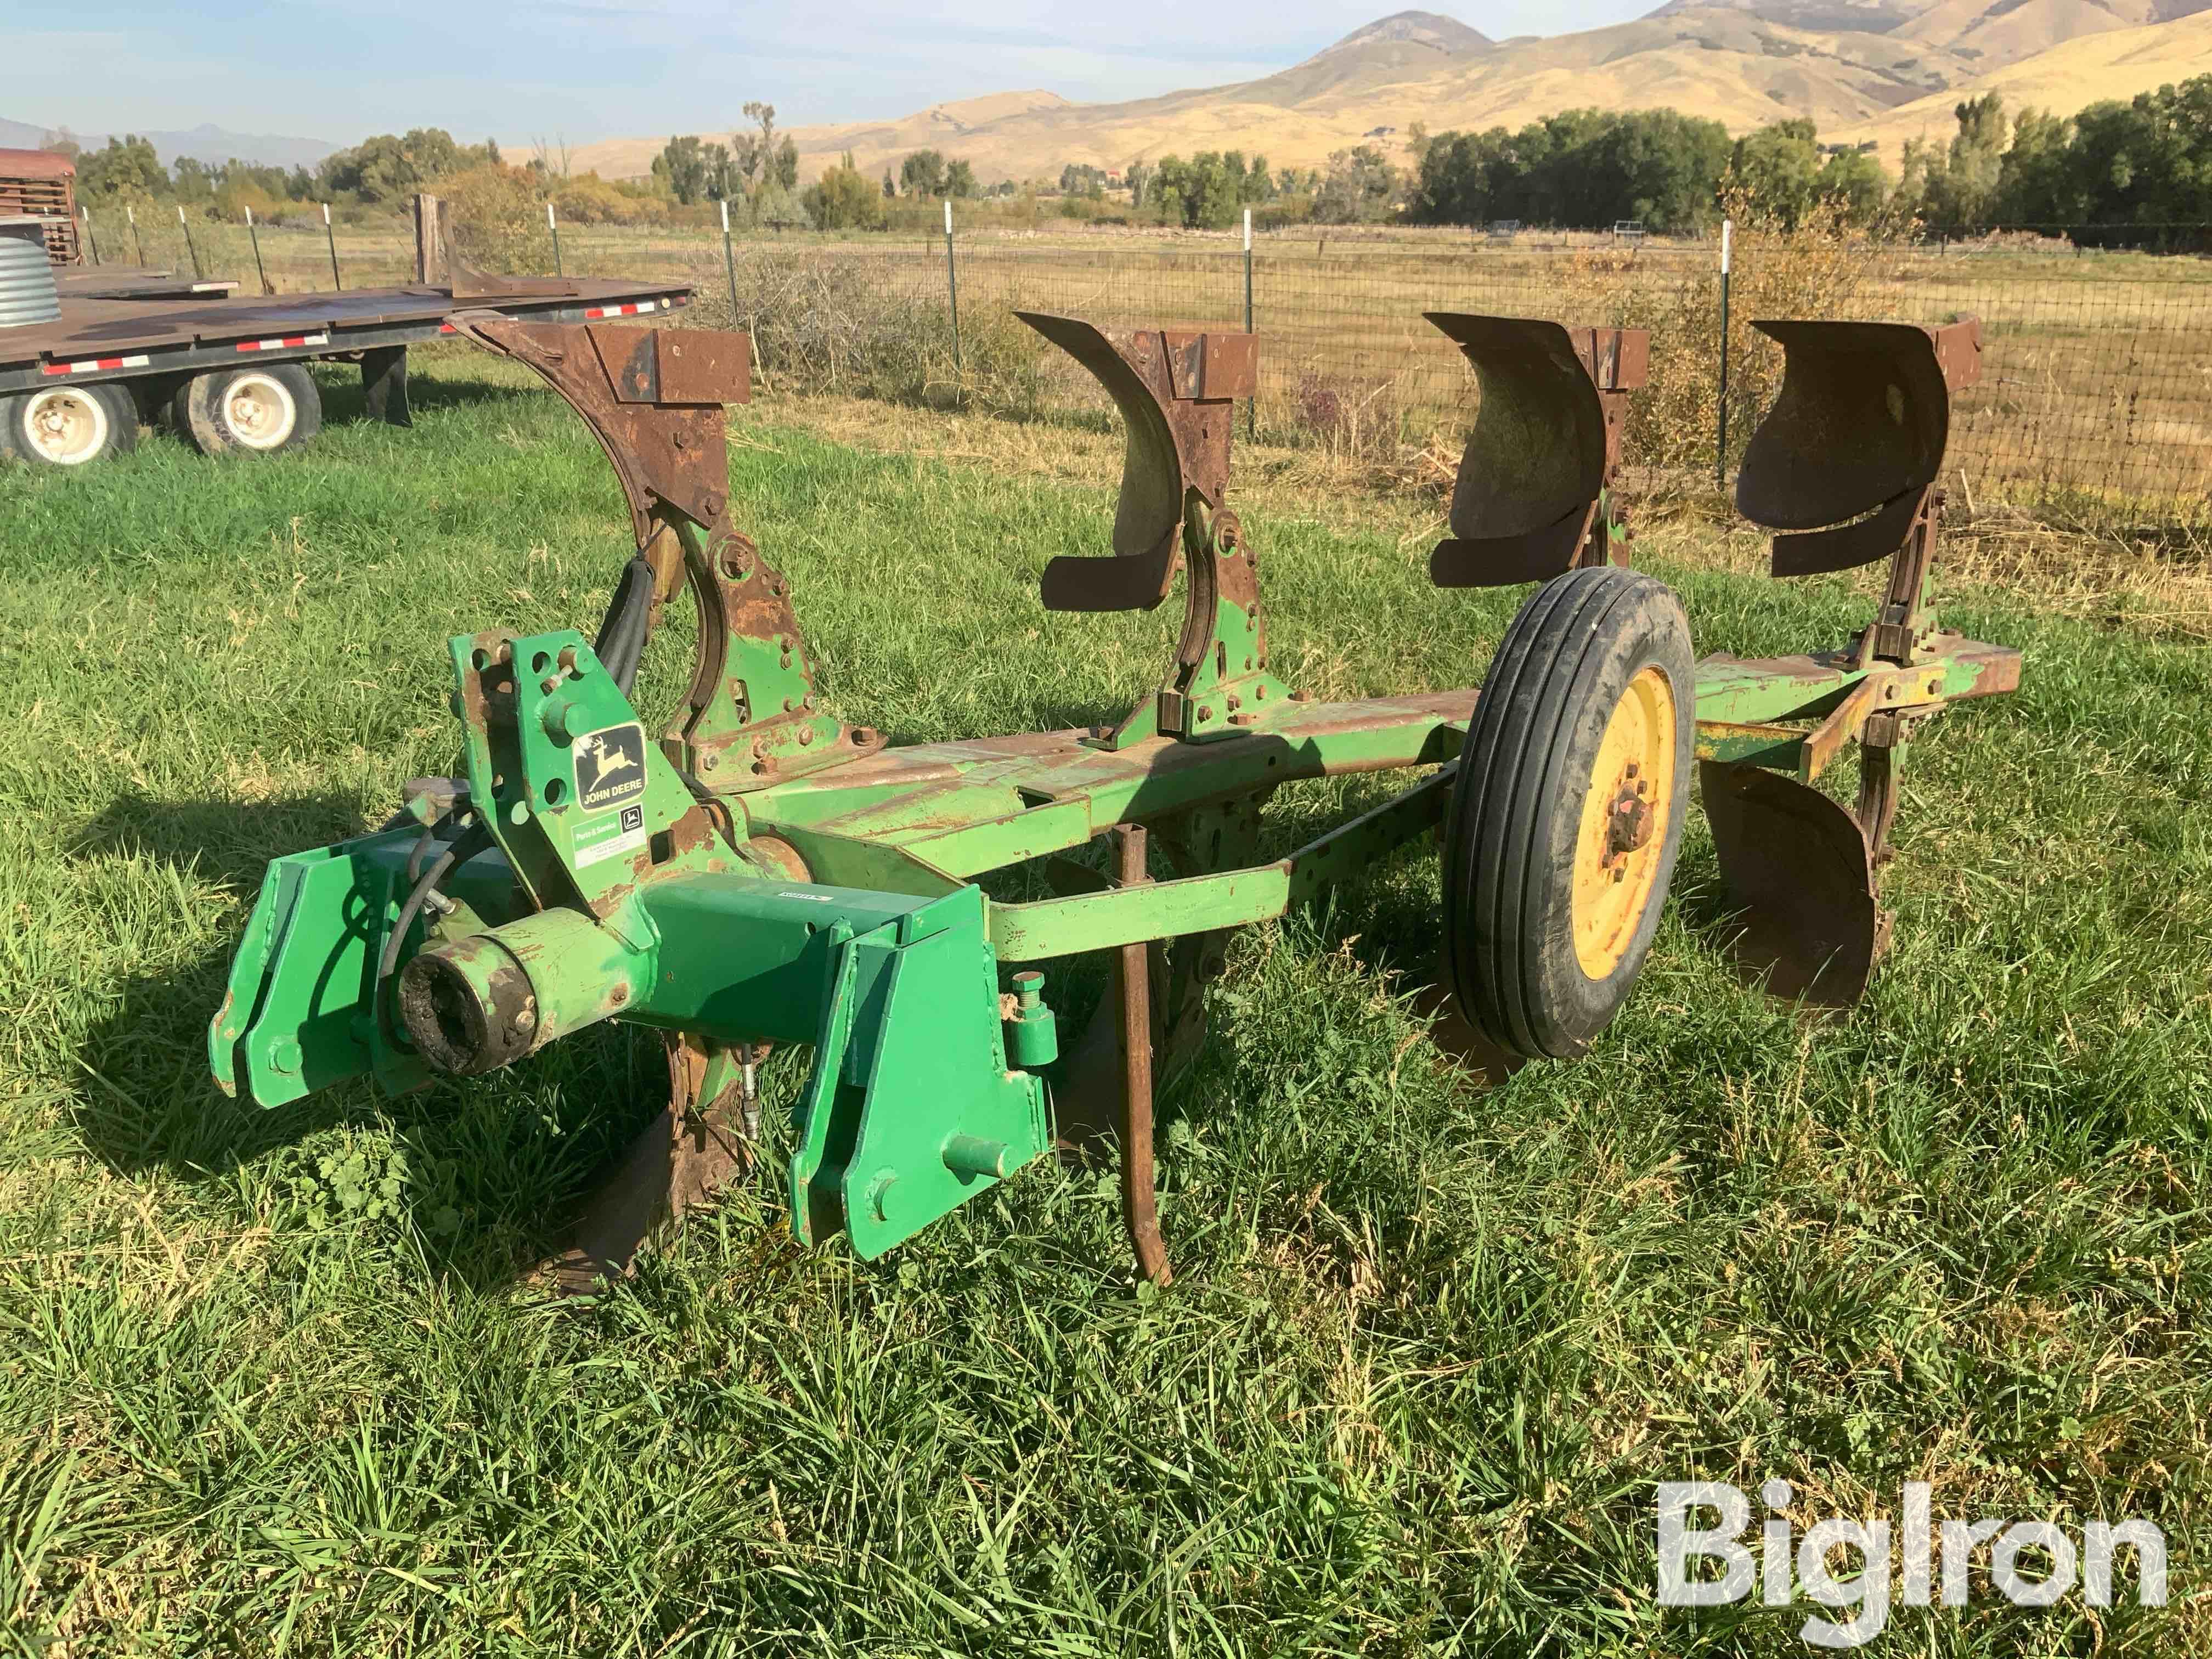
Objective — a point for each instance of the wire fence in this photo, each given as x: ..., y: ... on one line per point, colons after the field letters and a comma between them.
x: 2096, y: 393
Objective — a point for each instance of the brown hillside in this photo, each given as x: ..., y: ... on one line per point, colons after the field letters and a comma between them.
x: 1880, y: 69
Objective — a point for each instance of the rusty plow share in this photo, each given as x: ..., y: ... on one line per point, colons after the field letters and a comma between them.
x: 761, y: 874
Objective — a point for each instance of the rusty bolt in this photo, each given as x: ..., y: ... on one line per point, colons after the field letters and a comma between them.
x: 1205, y: 712
x: 864, y: 734
x: 713, y: 504
x: 806, y: 736
x: 549, y: 684
x: 1300, y: 696
x: 708, y: 762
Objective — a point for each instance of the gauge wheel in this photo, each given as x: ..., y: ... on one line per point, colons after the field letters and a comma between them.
x: 259, y: 408
x: 1567, y: 813
x: 69, y: 425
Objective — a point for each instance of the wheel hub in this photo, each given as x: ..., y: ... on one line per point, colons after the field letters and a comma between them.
x: 1628, y: 824
x: 65, y: 427
x: 1618, y: 850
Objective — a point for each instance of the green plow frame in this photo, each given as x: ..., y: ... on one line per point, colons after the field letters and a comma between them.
x: 763, y: 874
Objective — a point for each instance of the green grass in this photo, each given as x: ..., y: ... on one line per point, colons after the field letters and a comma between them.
x: 266, y: 1385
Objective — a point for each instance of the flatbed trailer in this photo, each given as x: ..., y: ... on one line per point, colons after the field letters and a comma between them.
x: 227, y: 372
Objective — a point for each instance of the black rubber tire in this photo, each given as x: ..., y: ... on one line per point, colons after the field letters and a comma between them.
x: 1517, y: 809
x: 119, y: 437
x: 204, y: 411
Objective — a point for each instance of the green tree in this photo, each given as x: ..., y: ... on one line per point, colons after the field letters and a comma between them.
x: 195, y: 181
x: 786, y: 164
x: 922, y: 174
x: 754, y: 152
x: 1977, y: 159
x: 682, y: 166
x: 391, y: 166
x: 960, y: 179
x: 1778, y: 167
x: 840, y: 199
x: 1855, y: 179
x: 126, y: 168
x: 718, y: 170
x: 1358, y: 188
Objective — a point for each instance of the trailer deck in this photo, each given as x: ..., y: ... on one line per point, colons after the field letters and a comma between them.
x: 116, y: 338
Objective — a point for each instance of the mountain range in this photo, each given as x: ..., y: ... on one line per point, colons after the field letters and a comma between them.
x: 205, y: 143
x: 1883, y: 70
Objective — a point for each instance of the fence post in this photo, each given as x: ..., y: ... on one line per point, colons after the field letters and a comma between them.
x: 730, y: 267
x: 1720, y: 447
x: 1252, y: 403
x: 132, y: 213
x: 259, y: 269
x: 953, y: 284
x: 330, y: 237
x: 184, y: 225
x: 553, y: 225
x: 91, y: 241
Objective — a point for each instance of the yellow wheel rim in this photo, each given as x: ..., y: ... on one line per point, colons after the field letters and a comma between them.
x: 1630, y: 802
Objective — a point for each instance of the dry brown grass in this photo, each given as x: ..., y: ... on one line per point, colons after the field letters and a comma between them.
x: 2073, y: 569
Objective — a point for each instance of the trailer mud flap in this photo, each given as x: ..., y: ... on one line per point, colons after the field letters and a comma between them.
x: 1798, y: 869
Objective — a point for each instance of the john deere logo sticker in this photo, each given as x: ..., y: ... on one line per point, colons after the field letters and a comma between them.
x: 610, y: 767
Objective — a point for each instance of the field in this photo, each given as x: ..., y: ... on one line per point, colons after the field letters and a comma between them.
x: 268, y: 1383
x: 2094, y: 401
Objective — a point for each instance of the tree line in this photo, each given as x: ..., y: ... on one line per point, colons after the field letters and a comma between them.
x: 2146, y: 161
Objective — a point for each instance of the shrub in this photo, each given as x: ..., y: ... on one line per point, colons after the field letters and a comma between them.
x: 826, y: 321
x: 497, y: 219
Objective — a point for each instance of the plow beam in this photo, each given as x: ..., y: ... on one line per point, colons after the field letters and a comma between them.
x: 1532, y: 497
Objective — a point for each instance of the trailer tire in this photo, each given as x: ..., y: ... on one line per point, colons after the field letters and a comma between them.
x: 258, y: 409
x: 1567, y: 813
x: 65, y: 426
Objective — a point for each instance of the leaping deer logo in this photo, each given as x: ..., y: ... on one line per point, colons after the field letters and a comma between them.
x: 607, y: 759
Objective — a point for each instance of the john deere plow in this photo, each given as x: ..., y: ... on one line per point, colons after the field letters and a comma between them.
x: 764, y: 874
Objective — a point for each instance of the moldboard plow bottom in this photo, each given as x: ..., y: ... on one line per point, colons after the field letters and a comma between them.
x: 763, y: 874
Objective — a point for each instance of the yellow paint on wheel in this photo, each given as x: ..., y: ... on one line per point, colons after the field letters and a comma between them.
x: 1631, y: 786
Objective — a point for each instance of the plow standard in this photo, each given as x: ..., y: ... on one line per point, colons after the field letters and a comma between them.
x: 765, y: 873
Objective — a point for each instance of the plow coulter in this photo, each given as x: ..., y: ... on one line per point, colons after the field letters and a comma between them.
x: 763, y: 873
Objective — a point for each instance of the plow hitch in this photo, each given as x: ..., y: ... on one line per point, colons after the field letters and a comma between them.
x: 761, y: 875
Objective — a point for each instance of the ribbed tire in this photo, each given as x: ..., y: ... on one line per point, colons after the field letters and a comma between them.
x: 260, y: 409
x: 68, y: 425
x: 1550, y: 898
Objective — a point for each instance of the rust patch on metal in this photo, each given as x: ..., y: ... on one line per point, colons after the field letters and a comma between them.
x: 1531, y: 497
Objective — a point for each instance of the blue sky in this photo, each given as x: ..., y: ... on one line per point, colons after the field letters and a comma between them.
x: 594, y: 69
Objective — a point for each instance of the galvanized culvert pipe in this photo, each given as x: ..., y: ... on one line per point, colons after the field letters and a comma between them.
x: 27, y: 294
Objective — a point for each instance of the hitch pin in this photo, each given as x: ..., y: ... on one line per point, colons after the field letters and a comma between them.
x: 749, y: 1089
